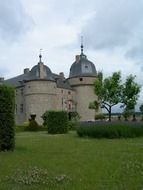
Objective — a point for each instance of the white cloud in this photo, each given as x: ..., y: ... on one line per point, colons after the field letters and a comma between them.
x: 13, y: 20
x: 112, y: 33
x: 114, y: 23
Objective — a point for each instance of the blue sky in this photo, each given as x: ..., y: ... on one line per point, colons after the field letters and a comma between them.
x: 112, y: 30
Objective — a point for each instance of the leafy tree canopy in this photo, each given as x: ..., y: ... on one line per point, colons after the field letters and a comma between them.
x: 111, y: 91
x: 141, y: 108
x: 130, y: 93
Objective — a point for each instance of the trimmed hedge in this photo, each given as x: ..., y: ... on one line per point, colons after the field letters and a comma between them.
x: 7, y: 118
x: 111, y: 130
x: 57, y: 122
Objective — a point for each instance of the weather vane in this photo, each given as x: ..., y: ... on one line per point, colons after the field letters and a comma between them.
x: 40, y: 56
x: 41, y: 51
x: 81, y: 39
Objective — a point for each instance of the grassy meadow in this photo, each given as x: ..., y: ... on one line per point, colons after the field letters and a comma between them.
x: 67, y: 162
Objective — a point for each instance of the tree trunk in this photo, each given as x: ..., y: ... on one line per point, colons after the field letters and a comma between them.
x: 109, y: 113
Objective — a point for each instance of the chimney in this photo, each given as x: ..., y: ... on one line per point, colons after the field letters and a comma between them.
x: 41, y: 70
x: 61, y: 74
x: 1, y: 80
x: 26, y: 70
x: 77, y: 58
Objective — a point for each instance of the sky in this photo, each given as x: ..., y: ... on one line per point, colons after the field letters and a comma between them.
x: 112, y: 35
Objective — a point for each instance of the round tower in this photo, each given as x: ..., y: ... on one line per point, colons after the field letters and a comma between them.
x: 40, y: 91
x: 81, y: 78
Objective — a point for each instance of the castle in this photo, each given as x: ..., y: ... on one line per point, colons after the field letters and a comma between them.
x: 39, y: 90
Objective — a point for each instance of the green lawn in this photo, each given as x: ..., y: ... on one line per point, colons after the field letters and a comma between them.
x: 80, y: 164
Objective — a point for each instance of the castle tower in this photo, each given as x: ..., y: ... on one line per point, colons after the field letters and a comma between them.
x: 82, y: 75
x: 40, y: 91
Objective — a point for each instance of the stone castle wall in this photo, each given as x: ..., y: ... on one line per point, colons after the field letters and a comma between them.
x: 84, y: 94
x: 40, y: 96
x: 20, y: 105
x: 36, y: 97
x: 64, y: 98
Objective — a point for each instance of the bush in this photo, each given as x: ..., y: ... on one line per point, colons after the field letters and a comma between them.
x: 33, y: 126
x: 7, y: 118
x: 73, y: 116
x: 57, y: 122
x: 111, y: 130
x: 45, y: 118
x: 99, y: 116
x: 73, y: 119
x: 72, y: 125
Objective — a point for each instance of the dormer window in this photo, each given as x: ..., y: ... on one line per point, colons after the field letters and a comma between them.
x: 86, y: 68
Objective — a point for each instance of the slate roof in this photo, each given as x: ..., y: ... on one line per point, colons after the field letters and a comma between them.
x: 31, y: 75
x: 63, y: 84
x: 83, y: 67
x: 19, y: 80
x: 34, y: 73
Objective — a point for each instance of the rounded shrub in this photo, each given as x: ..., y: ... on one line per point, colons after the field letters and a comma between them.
x: 33, y: 126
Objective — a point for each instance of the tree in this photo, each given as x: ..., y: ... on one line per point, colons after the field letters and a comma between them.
x: 141, y: 110
x: 111, y: 91
x: 7, y: 118
x: 130, y: 94
x: 108, y: 92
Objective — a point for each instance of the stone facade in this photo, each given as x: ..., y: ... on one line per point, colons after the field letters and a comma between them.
x: 83, y: 87
x: 39, y: 90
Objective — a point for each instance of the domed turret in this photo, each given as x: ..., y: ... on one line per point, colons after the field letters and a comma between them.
x: 82, y: 76
x: 82, y: 66
x: 41, y: 71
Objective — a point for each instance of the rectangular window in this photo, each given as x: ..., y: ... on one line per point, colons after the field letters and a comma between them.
x: 22, y: 91
x: 21, y: 108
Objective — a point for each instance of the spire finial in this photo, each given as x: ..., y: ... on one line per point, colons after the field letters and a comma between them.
x: 81, y: 45
x: 40, y: 56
